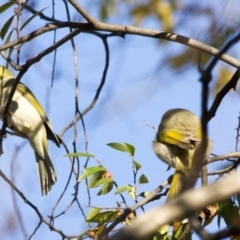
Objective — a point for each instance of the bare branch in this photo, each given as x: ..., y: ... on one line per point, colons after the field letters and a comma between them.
x: 47, y: 28
x: 226, y: 170
x: 222, y: 157
x: 99, y: 89
x: 120, y: 29
x: 84, y: 13
x: 231, y: 84
x: 225, y: 48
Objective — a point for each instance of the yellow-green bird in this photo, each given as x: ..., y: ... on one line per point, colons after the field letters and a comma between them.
x: 27, y: 118
x: 178, y: 136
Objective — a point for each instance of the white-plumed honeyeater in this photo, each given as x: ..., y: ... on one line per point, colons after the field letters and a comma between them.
x: 27, y: 118
x: 177, y: 138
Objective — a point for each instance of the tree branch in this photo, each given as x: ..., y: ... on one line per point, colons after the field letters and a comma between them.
x: 231, y: 84
x: 181, y: 206
x: 222, y: 157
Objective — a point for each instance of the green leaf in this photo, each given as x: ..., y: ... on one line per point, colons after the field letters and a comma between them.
x: 118, y: 146
x: 103, y: 181
x: 131, y: 148
x: 94, y: 179
x: 32, y: 17
x: 79, y: 154
x: 8, y: 52
x: 100, y: 230
x: 89, y: 171
x: 6, y: 26
x: 8, y: 38
x: 179, y: 231
x: 143, y: 179
x: 229, y: 212
x: 125, y: 188
x: 132, y: 193
x: 219, y: 217
x: 104, y: 217
x: 144, y: 194
x: 92, y: 213
x: 107, y: 187
x: 126, y: 147
x: 137, y: 165
x: 5, y: 6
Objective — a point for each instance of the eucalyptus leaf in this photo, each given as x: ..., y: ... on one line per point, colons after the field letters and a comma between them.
x: 5, y: 6
x: 31, y: 18
x: 6, y: 26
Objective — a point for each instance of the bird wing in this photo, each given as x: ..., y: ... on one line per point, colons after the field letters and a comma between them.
x: 26, y: 92
x: 183, y: 139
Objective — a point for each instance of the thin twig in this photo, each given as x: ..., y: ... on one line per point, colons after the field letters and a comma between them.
x: 15, y: 204
x: 226, y: 170
x: 41, y: 218
x: 222, y: 157
x: 99, y: 89
x: 231, y: 84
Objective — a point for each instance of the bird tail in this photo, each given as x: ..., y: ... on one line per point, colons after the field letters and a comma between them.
x: 183, y: 171
x: 47, y: 174
x: 176, y: 186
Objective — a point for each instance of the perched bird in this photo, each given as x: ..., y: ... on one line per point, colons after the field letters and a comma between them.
x: 27, y: 118
x: 177, y: 138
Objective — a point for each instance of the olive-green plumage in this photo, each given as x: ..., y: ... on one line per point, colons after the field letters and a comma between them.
x: 178, y: 136
x: 27, y: 118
